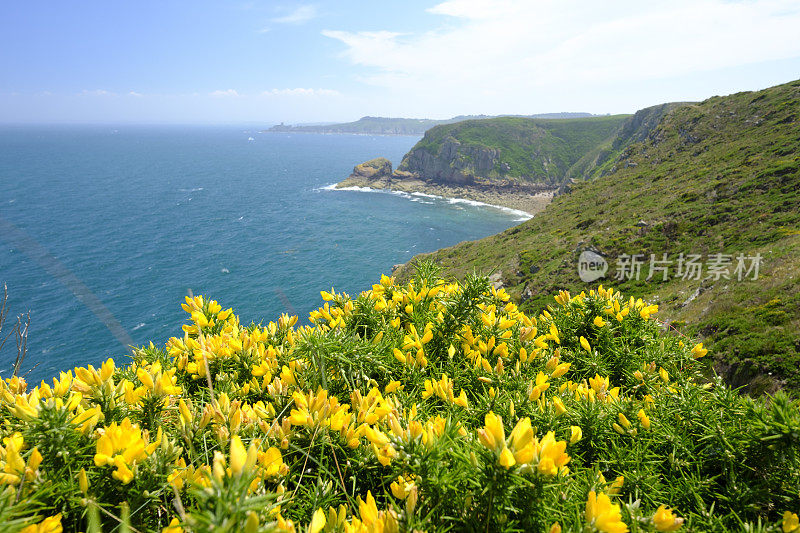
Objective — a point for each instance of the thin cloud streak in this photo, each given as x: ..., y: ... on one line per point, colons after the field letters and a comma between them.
x: 301, y: 92
x: 227, y: 93
x: 299, y: 15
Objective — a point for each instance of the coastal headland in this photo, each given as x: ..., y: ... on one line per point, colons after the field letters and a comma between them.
x: 515, y: 162
x: 378, y: 174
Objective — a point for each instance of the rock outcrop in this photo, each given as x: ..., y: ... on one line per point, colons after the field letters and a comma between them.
x: 375, y: 173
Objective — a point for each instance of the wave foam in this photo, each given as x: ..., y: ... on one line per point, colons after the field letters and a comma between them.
x: 418, y: 196
x: 523, y: 215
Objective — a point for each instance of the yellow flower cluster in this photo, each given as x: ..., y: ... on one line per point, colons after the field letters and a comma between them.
x: 370, y: 519
x: 546, y: 455
x: 444, y: 390
x: 362, y: 393
x: 122, y: 446
x: 15, y: 467
x: 603, y: 515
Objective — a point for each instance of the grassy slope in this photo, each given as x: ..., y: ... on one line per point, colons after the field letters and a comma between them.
x: 596, y: 162
x: 534, y: 149
x: 719, y: 176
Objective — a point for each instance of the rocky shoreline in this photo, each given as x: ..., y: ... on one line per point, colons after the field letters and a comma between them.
x: 377, y: 174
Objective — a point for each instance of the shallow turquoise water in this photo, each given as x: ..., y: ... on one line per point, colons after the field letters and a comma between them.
x: 131, y: 218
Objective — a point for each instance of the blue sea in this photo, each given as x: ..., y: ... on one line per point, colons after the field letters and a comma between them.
x: 105, y: 229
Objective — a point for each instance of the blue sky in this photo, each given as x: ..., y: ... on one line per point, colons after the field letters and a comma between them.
x: 262, y: 62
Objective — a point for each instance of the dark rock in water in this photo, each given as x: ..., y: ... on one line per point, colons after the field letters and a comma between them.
x: 377, y: 168
x: 375, y: 173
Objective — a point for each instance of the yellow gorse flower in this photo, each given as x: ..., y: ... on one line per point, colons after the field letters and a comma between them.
x: 585, y: 344
x: 402, y: 487
x: 173, y: 527
x: 790, y: 522
x: 602, y: 515
x: 50, y: 524
x: 241, y: 459
x: 444, y: 390
x: 522, y: 447
x: 122, y: 446
x: 698, y: 351
x: 158, y: 382
x: 665, y: 520
x: 643, y: 419
x: 14, y: 466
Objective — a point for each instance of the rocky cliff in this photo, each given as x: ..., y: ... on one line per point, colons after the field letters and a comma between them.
x: 506, y: 151
x: 376, y: 173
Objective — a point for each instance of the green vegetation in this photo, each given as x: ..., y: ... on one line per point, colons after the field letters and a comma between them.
x: 596, y: 161
x: 395, y: 126
x: 721, y: 176
x: 428, y: 406
x: 519, y: 148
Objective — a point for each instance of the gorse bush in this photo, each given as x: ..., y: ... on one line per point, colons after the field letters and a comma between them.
x: 433, y: 406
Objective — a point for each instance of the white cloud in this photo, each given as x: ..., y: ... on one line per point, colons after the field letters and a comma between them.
x: 301, y: 92
x: 519, y: 50
x: 224, y: 94
x: 299, y: 15
x: 471, y: 9
x: 96, y: 92
x: 134, y: 93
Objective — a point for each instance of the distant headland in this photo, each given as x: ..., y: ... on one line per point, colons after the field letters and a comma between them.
x: 396, y: 126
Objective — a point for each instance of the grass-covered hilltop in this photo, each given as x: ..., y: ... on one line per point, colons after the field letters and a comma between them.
x: 719, y: 180
x: 518, y: 162
x: 513, y: 149
x: 426, y: 406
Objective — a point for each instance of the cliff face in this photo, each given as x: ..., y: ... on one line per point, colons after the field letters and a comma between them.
x: 506, y: 151
x: 454, y: 163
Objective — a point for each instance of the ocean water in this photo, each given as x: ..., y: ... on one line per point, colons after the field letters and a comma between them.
x: 104, y: 230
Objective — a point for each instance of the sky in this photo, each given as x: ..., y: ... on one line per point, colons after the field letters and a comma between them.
x: 266, y: 62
